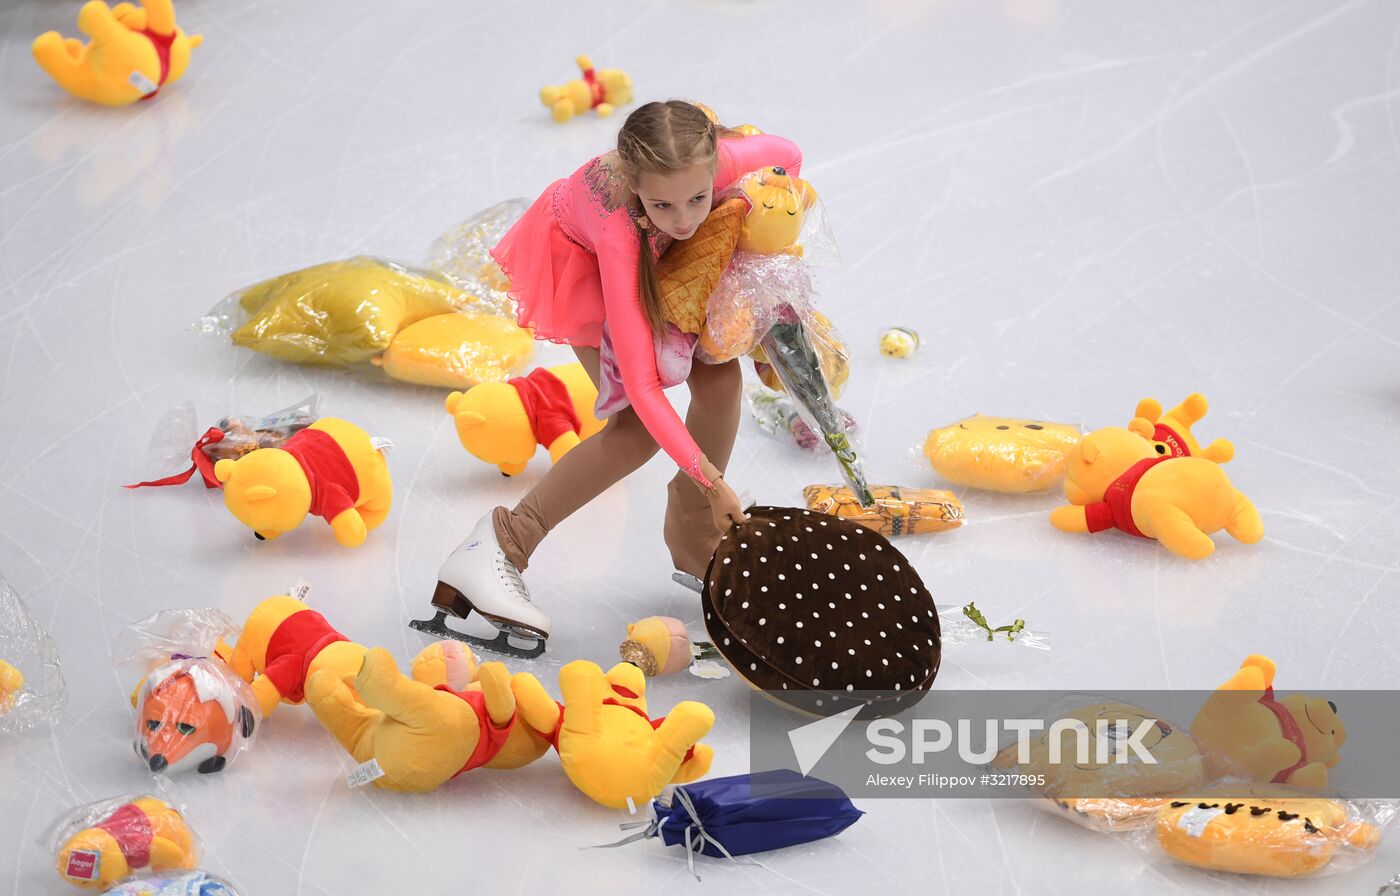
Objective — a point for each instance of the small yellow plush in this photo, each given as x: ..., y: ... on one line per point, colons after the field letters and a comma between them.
x: 1116, y: 479
x: 1245, y: 732
x: 284, y: 642
x: 503, y: 423
x: 1173, y: 429
x: 599, y: 89
x: 457, y: 350
x: 331, y: 469
x: 11, y: 682
x: 145, y: 834
x: 778, y: 203
x: 133, y: 52
x: 658, y: 645
x: 899, y: 342
x: 1002, y: 454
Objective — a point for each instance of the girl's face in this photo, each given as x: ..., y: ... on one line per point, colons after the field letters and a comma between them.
x: 678, y: 201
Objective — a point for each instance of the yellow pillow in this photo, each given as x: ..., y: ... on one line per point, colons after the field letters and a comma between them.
x: 458, y: 350
x: 343, y: 312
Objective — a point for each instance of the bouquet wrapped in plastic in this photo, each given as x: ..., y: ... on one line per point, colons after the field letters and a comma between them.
x: 776, y: 415
x: 31, y: 681
x: 192, y: 712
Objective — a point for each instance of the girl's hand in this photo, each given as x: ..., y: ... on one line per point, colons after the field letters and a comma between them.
x: 725, y: 506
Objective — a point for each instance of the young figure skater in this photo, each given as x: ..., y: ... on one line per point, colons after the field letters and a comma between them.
x: 582, y: 269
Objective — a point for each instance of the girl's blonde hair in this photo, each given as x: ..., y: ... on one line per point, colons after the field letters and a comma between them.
x: 661, y: 138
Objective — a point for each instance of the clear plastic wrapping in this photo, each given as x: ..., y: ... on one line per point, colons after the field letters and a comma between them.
x: 1016, y: 455
x: 968, y: 625
x: 896, y: 510
x: 192, y: 713
x: 193, y: 883
x: 110, y: 841
x: 230, y: 438
x: 416, y: 325
x: 776, y: 415
x: 31, y: 681
x: 463, y: 254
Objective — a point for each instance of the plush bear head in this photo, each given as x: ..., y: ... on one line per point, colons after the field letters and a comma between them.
x: 1100, y: 458
x: 266, y: 490
x: 778, y: 203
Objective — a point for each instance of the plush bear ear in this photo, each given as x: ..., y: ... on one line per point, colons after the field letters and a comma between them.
x: 261, y: 493
x: 452, y: 401
x: 246, y: 721
x: 223, y: 470
x: 1090, y: 449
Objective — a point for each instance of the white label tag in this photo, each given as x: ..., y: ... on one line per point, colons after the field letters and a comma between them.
x: 631, y: 806
x: 379, y: 443
x: 364, y: 773
x: 301, y: 589
x: 1195, y: 821
x: 142, y: 83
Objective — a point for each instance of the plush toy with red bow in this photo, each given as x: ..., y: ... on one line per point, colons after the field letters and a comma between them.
x: 599, y: 89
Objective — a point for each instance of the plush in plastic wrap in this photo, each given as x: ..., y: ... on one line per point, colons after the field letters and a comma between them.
x: 776, y: 415
x: 228, y: 439
x: 1016, y: 455
x: 195, y: 883
x: 193, y: 713
x: 369, y: 312
x: 112, y: 840
x: 31, y: 681
x: 896, y: 511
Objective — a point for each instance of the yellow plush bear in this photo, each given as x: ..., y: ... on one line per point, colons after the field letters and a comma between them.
x: 503, y: 423
x: 1173, y: 429
x: 133, y: 52
x: 1117, y: 479
x: 145, y: 834
x: 599, y: 89
x: 284, y: 642
x: 1244, y: 731
x: 11, y: 682
x: 424, y: 736
x: 778, y: 203
x: 331, y: 469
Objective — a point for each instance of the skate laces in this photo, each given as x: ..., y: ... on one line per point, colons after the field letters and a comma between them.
x: 508, y: 575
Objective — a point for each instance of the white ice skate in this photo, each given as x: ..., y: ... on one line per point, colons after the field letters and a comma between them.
x: 478, y: 577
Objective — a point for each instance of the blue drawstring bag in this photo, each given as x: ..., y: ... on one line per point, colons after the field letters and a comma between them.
x: 742, y: 814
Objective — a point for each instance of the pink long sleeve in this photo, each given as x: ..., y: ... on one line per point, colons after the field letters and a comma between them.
x: 595, y: 213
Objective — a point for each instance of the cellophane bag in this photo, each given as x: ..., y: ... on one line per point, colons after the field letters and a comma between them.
x: 193, y: 883
x: 776, y: 415
x: 192, y: 713
x: 229, y: 438
x: 463, y: 254
x: 32, y: 691
x: 104, y: 843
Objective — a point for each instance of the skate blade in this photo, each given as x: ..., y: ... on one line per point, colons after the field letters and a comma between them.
x: 687, y: 580
x: 437, y: 627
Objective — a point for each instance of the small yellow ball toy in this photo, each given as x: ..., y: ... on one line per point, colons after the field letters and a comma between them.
x: 897, y: 342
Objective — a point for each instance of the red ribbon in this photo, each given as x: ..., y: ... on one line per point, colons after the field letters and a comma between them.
x: 591, y: 79
x: 202, y: 463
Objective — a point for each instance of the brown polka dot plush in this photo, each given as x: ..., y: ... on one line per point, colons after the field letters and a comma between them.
x: 800, y: 601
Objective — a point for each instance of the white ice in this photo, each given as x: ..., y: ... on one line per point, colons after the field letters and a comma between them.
x: 1076, y: 205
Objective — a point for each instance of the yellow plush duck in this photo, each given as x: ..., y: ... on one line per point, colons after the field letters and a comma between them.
x: 600, y: 89
x: 504, y: 423
x: 424, y: 736
x: 1243, y: 730
x: 1172, y: 430
x: 133, y: 52
x: 331, y: 469
x: 1116, y: 479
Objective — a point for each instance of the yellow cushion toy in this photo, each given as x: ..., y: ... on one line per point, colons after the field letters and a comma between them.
x: 1116, y: 479
x: 504, y: 423
x: 330, y: 469
x: 133, y: 52
x: 457, y: 350
x: 1245, y: 732
x: 1260, y: 829
x: 1002, y: 454
x: 342, y: 312
x: 1173, y: 429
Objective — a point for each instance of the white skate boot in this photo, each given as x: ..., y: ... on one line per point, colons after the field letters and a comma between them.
x: 477, y: 576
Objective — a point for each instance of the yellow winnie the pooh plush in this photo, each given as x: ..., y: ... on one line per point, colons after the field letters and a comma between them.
x: 1244, y: 731
x: 599, y: 89
x: 331, y: 469
x: 1116, y: 479
x: 503, y: 423
x: 133, y: 52
x: 1173, y: 429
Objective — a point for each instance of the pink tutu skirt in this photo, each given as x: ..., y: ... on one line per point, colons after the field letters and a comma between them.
x: 554, y: 281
